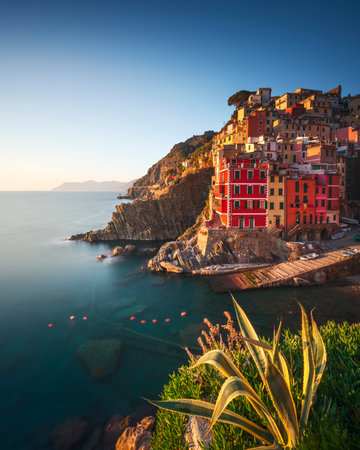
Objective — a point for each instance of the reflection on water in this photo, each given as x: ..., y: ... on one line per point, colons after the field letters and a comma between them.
x: 44, y: 279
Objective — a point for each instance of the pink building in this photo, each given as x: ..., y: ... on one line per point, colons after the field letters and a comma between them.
x: 348, y: 134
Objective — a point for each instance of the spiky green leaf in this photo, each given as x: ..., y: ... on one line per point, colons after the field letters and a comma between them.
x: 282, y: 399
x: 247, y: 330
x: 320, y: 356
x: 205, y: 409
x: 221, y: 361
x: 236, y: 387
x: 309, y: 370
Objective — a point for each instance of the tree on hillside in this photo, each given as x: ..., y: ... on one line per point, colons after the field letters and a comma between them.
x: 239, y: 98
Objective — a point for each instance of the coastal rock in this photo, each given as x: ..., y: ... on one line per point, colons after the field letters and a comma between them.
x: 100, y: 357
x: 69, y: 434
x: 118, y: 250
x: 130, y: 248
x: 212, y: 247
x: 138, y: 437
x: 164, y: 217
x: 114, y: 428
x: 196, y: 433
x: 101, y: 257
x: 171, y: 267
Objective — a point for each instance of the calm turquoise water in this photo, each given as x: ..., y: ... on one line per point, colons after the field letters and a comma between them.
x: 44, y: 278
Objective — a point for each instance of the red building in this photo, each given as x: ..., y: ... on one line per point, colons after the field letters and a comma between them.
x: 296, y: 110
x: 327, y: 198
x: 241, y: 192
x: 257, y: 124
x: 299, y: 200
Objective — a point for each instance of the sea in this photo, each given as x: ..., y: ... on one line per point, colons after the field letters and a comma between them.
x: 45, y: 279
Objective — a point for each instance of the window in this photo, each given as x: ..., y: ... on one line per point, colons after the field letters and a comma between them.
x: 297, y: 186
x: 280, y: 191
x: 237, y: 190
x: 237, y: 204
x: 305, y: 199
x: 271, y: 205
x: 237, y: 175
x: 245, y: 204
x: 334, y: 218
x: 316, y: 203
x: 323, y: 190
x: 272, y: 178
x: 304, y: 218
x: 317, y: 190
x: 253, y: 205
x: 250, y: 189
x: 252, y: 163
x: 322, y: 203
x: 297, y: 199
x: 262, y: 189
x: 306, y: 188
x: 233, y: 162
x: 241, y: 223
x: 311, y: 218
x: 303, y: 155
x: 250, y: 174
x: 262, y: 174
x: 281, y: 205
x: 260, y: 122
x: 280, y: 179
x: 294, y: 158
x: 272, y: 191
x: 286, y: 156
x: 223, y: 178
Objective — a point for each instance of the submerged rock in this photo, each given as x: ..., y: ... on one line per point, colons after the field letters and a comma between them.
x: 101, y: 257
x: 100, y: 357
x: 69, y: 434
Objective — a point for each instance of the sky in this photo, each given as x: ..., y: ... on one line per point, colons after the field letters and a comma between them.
x: 103, y: 89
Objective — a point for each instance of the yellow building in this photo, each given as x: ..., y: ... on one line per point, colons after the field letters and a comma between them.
x: 276, y: 198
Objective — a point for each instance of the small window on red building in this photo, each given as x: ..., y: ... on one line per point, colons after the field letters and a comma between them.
x: 237, y: 175
x: 262, y: 174
x: 250, y: 189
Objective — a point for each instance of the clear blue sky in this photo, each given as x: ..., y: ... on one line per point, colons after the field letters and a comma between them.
x: 103, y: 89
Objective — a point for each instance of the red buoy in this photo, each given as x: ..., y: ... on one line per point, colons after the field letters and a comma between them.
x: 132, y: 318
x: 84, y: 318
x: 143, y: 321
x: 183, y: 313
x: 72, y: 317
x: 50, y: 325
x: 154, y: 320
x: 167, y: 320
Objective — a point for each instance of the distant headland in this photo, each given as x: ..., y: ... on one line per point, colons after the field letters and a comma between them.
x: 91, y: 185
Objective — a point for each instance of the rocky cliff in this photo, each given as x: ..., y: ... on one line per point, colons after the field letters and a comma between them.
x: 164, y: 216
x: 223, y: 247
x: 170, y: 163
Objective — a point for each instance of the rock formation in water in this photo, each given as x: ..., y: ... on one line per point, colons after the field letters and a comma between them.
x: 218, y: 247
x: 160, y: 215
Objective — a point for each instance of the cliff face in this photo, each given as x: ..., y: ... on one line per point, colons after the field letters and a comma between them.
x: 157, y: 173
x: 164, y: 217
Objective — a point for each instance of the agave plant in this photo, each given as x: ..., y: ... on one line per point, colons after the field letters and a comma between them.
x: 287, y: 429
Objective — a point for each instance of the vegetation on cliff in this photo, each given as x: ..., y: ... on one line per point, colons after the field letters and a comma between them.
x: 334, y: 420
x: 170, y: 164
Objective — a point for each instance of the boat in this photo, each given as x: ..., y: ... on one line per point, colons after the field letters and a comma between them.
x: 351, y: 252
x: 338, y: 235
x: 308, y: 256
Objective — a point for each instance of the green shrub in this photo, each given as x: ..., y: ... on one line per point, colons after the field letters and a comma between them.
x: 334, y: 420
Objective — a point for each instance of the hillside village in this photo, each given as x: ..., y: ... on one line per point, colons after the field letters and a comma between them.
x: 287, y: 164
